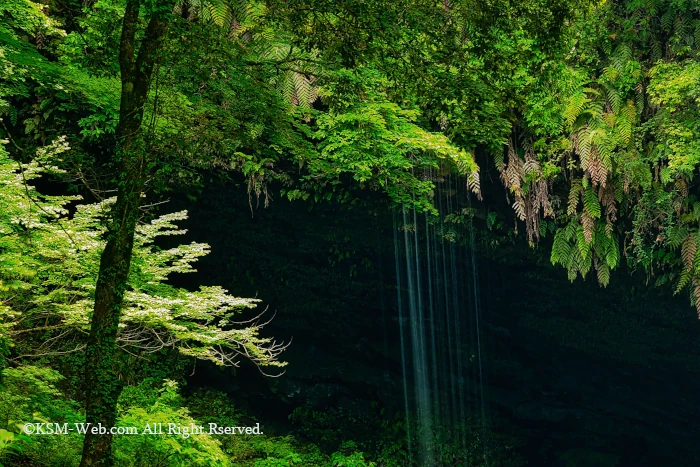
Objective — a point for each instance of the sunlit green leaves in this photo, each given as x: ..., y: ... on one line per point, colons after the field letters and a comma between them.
x: 49, y: 263
x: 379, y: 143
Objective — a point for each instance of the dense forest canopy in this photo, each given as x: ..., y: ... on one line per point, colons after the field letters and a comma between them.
x: 574, y: 123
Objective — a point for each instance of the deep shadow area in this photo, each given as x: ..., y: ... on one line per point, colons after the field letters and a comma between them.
x: 577, y: 375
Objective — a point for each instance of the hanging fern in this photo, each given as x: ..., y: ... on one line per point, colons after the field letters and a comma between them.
x: 574, y: 107
x: 689, y: 250
x: 574, y: 194
x: 591, y: 204
x: 474, y: 184
x: 603, y: 273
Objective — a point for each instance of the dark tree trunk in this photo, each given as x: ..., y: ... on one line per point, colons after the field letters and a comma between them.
x: 102, y: 363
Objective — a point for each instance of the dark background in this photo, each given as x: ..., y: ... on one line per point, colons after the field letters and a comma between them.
x: 574, y: 372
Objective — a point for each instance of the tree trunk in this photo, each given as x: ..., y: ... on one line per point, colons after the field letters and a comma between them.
x: 103, y: 385
x: 102, y: 362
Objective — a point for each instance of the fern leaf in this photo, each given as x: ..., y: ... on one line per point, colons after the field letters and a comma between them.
x: 584, y: 262
x: 519, y: 207
x: 498, y: 161
x: 574, y: 107
x: 688, y: 251
x: 582, y: 242
x: 612, y: 256
x: 561, y: 248
x: 682, y: 187
x: 667, y: 19
x: 639, y: 100
x: 695, y: 295
x: 220, y: 12
x: 584, y: 147
x: 683, y: 281
x: 302, y: 88
x: 474, y: 184
x: 614, y: 98
x: 675, y: 236
x: 591, y: 203
x: 603, y: 274
x: 696, y: 211
x: 573, y: 197
x: 588, y: 224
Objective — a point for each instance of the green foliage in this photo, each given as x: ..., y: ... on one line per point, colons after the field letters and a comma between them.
x: 28, y: 390
x: 578, y: 250
x: 604, y: 95
x: 377, y: 142
x: 618, y: 131
x: 11, y: 444
x: 148, y: 407
x: 30, y: 394
x: 589, y: 111
x: 50, y: 262
x: 355, y: 459
x: 66, y: 93
x: 675, y: 88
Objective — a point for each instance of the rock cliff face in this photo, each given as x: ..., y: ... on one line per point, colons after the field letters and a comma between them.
x: 578, y: 375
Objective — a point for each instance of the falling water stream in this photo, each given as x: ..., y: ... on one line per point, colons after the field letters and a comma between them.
x: 440, y: 330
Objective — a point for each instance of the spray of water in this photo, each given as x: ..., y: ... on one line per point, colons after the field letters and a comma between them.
x: 440, y: 330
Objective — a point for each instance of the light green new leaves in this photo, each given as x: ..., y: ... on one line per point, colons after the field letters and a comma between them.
x: 190, y: 450
x: 675, y: 88
x: 49, y: 263
x: 381, y: 145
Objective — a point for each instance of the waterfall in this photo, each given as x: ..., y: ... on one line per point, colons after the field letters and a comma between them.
x: 440, y: 330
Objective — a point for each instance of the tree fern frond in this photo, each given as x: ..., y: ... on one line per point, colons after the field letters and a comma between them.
x: 683, y: 281
x: 695, y: 295
x: 474, y: 184
x: 573, y: 109
x: 241, y: 9
x: 696, y: 211
x: 603, y: 272
x: 519, y: 207
x: 595, y: 108
x: 639, y: 99
x: 585, y: 262
x: 302, y: 86
x: 612, y: 256
x: 591, y: 203
x: 614, y: 98
x: 498, y: 161
x: 582, y: 242
x: 585, y: 144
x: 561, y: 248
x: 288, y: 89
x: 675, y: 236
x: 588, y: 227
x: 624, y: 52
x: 667, y: 19
x: 688, y: 251
x: 656, y: 50
x: 220, y: 11
x: 681, y: 27
x: 682, y: 187
x: 574, y: 192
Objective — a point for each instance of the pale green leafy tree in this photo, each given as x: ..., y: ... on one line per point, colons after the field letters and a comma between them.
x: 49, y: 258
